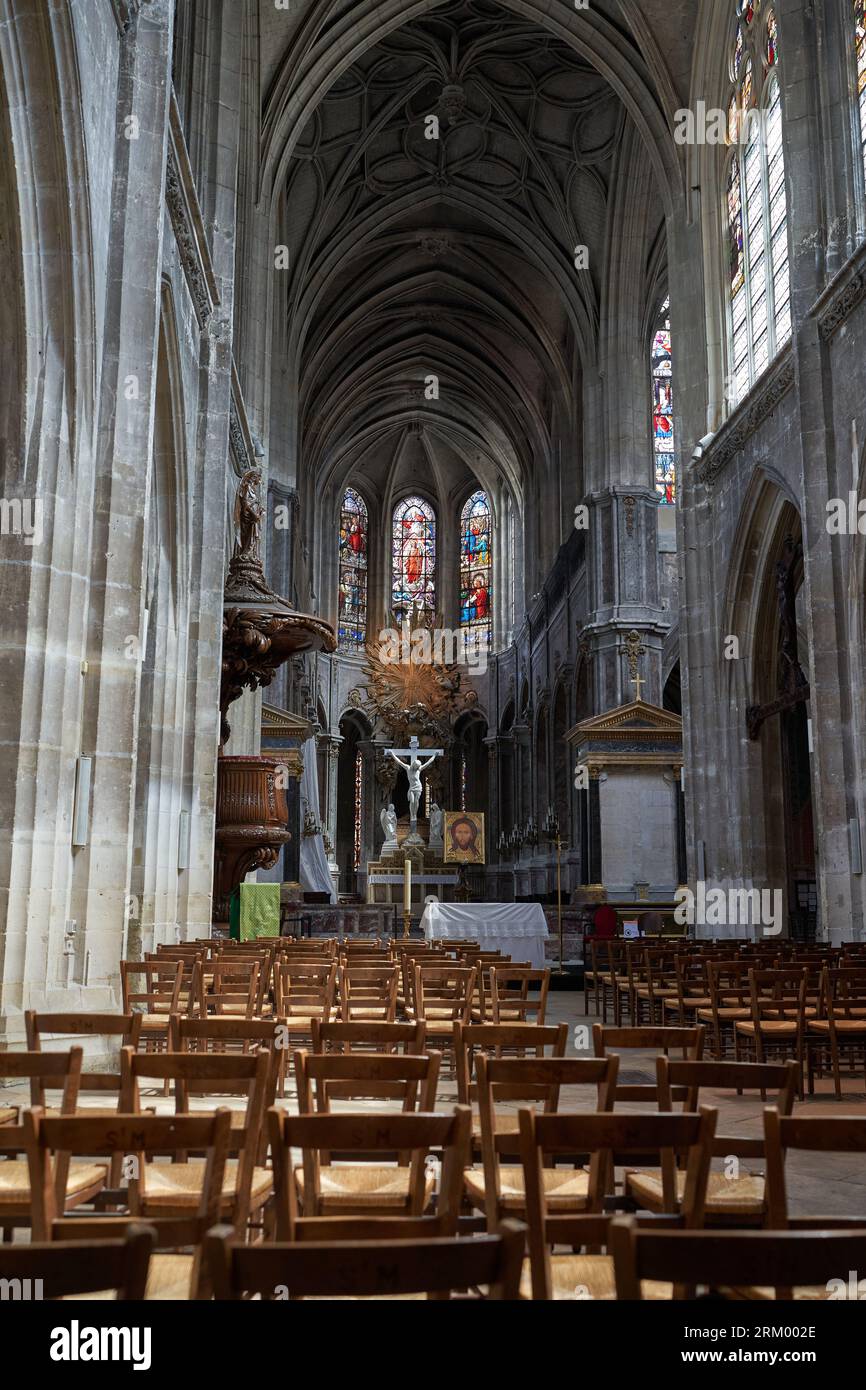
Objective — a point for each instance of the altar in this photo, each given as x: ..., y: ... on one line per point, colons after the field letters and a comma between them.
x: 517, y: 929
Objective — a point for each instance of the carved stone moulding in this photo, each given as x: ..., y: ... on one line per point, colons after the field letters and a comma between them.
x: 252, y: 819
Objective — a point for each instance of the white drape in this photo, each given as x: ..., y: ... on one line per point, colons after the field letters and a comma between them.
x: 315, y: 874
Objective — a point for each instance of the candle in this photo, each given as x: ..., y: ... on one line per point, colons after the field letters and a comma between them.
x: 407, y: 885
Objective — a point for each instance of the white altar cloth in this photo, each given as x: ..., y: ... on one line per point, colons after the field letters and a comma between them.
x: 517, y: 929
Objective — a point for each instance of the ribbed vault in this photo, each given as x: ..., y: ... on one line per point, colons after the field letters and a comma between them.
x: 443, y: 187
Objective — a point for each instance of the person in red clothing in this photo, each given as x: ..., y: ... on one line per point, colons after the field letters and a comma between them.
x: 603, y: 923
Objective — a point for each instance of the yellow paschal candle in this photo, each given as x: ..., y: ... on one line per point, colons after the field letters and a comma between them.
x: 407, y: 885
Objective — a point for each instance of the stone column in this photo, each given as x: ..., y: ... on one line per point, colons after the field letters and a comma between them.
x: 328, y: 812
x: 123, y: 494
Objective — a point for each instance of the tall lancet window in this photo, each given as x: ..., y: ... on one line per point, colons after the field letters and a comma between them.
x: 413, y: 558
x: 663, y: 405
x: 353, y: 571
x: 476, y: 568
x: 759, y: 317
x: 860, y: 59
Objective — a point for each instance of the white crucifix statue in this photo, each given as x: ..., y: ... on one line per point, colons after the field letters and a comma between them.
x: 413, y: 767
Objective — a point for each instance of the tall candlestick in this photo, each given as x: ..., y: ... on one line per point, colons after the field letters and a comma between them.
x: 407, y: 885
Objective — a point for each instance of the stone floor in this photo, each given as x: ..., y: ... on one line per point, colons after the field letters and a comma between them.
x: 825, y: 1184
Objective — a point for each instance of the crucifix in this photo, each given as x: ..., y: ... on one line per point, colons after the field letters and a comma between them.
x: 413, y: 769
x: 638, y: 681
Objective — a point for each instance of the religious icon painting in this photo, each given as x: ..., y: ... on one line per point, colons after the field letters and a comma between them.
x: 464, y: 837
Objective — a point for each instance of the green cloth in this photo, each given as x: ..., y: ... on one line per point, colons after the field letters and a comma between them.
x: 260, y: 910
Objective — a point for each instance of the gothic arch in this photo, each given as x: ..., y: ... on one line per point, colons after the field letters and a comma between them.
x: 766, y: 767
x: 768, y: 512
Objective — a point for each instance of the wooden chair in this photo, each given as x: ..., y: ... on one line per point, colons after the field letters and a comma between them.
x: 653, y: 981
x: 80, y: 1267
x: 410, y: 1038
x: 730, y: 1003
x: 231, y: 987
x: 841, y: 1027
x: 406, y: 962
x: 733, y: 1198
x: 499, y: 1040
x: 483, y: 962
x: 728, y: 1260
x: 687, y: 1041
x: 368, y: 994
x: 807, y: 1134
x: 510, y: 998
x: 51, y: 1139
x: 367, y: 1269
x: 304, y: 993
x: 778, y: 1017
x: 76, y: 1182
x: 599, y: 977
x: 442, y: 997
x: 305, y: 1195
x: 125, y: 1027
x: 497, y: 1188
x: 159, y: 999
x: 167, y: 1188
x: 608, y: 1139
x: 193, y: 967
x: 691, y: 980
x: 620, y: 981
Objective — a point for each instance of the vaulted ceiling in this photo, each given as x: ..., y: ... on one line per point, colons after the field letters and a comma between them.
x: 433, y: 205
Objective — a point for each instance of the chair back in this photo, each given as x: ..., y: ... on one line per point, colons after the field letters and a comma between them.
x: 325, y: 1076
x: 676, y: 1078
x: 444, y: 992
x: 368, y: 993
x: 306, y: 989
x: 80, y: 1267
x: 510, y: 996
x: 687, y: 1041
x: 162, y: 983
x: 609, y: 1138
x: 125, y: 1027
x: 500, y: 1040
x: 419, y: 1135
x: 806, y: 1134
x: 367, y: 1269
x: 730, y: 1259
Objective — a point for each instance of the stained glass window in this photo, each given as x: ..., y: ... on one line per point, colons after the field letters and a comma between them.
x: 860, y: 56
x: 353, y: 571
x: 413, y: 558
x: 476, y: 564
x: 663, y: 420
x: 759, y: 301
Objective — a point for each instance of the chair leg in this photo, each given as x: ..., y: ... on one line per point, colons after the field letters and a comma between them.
x: 834, y: 1054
